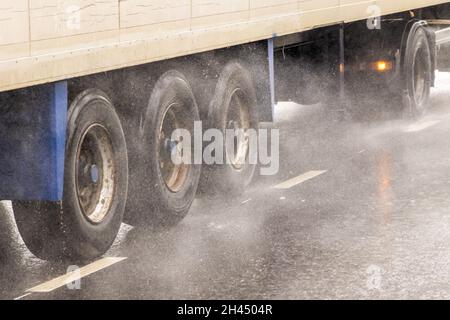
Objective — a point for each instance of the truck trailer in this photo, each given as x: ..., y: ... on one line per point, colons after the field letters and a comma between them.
x: 90, y: 92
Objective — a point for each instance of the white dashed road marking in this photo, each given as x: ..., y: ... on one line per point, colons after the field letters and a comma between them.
x: 70, y: 277
x: 299, y: 180
x: 420, y: 126
x: 23, y: 296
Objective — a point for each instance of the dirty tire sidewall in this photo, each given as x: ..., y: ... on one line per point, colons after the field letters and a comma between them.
x: 54, y: 231
x: 224, y: 179
x: 86, y: 239
x: 160, y: 207
x: 39, y: 225
x: 418, y: 43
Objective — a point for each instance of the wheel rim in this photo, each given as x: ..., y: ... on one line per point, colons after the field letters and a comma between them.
x: 420, y: 78
x: 95, y: 174
x: 238, y: 119
x: 174, y: 175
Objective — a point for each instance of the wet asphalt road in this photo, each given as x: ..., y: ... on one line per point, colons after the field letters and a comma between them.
x: 375, y: 225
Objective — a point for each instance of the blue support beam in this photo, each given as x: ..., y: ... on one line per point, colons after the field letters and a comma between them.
x: 33, y: 125
x: 271, y: 56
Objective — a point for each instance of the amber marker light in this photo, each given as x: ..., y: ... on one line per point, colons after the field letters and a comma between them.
x: 382, y: 66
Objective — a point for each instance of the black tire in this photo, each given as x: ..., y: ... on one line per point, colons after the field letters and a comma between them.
x: 234, y: 81
x: 418, y: 74
x: 70, y: 230
x: 160, y: 200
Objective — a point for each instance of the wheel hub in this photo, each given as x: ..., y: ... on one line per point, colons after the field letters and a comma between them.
x: 420, y: 78
x: 239, y: 121
x: 95, y: 174
x: 174, y: 174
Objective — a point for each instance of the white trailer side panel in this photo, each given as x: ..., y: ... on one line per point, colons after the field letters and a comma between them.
x: 49, y: 40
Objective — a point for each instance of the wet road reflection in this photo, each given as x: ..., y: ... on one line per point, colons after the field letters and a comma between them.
x: 376, y: 224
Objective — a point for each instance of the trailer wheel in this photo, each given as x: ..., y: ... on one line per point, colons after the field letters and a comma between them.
x: 167, y: 190
x: 84, y: 225
x: 418, y: 74
x: 232, y: 107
